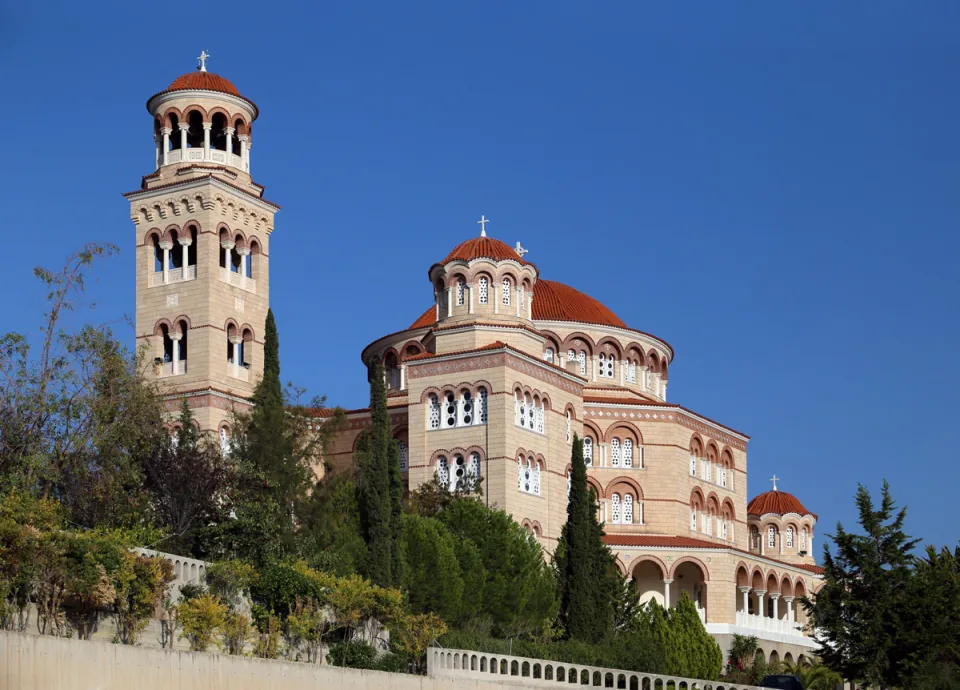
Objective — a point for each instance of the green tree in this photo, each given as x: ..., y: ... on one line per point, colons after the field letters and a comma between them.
x: 140, y: 584
x: 864, y: 615
x: 583, y: 563
x: 377, y: 488
x: 331, y: 540
x: 695, y: 654
x: 434, y: 581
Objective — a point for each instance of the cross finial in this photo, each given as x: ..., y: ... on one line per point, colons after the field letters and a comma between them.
x: 520, y: 250
x: 774, y: 479
x: 204, y: 56
x: 483, y: 226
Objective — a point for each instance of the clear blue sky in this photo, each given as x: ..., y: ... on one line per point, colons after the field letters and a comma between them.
x: 770, y: 187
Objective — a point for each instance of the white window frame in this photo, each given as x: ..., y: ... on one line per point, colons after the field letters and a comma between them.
x: 588, y: 451
x: 506, y: 288
x: 483, y: 290
x: 615, y: 455
x: 461, y: 292
x: 771, y: 537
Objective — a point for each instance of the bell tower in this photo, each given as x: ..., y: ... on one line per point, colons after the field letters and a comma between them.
x: 202, y: 230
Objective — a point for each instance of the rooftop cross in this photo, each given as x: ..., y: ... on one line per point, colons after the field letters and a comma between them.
x: 774, y: 479
x: 483, y: 226
x: 204, y: 55
x: 520, y: 250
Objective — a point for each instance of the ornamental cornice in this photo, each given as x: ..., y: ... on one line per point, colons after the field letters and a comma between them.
x: 213, y: 398
x: 633, y: 334
x: 198, y: 183
x: 661, y: 413
x: 704, y: 426
x: 781, y: 565
x: 193, y: 94
x: 764, y: 516
x: 536, y: 369
x: 437, y: 366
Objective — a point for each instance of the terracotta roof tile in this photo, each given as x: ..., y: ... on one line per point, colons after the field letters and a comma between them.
x: 203, y: 81
x: 558, y: 302
x: 484, y: 248
x: 777, y: 503
x: 428, y: 318
x: 613, y: 399
x: 495, y: 345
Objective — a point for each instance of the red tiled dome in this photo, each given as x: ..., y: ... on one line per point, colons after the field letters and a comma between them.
x: 778, y: 503
x: 203, y: 81
x: 484, y: 248
x: 553, y: 301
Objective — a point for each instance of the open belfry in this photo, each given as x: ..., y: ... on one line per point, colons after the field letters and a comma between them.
x: 203, y: 244
x: 492, y: 380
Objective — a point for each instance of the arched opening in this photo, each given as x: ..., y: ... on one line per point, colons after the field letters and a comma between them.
x: 167, y: 352
x: 391, y: 371
x: 239, y: 128
x: 648, y: 578
x: 218, y: 133
x: 181, y: 349
x: 195, y: 132
x: 176, y: 252
x: 175, y: 131
x: 236, y: 258
x: 246, y: 349
x: 253, y: 261
x: 690, y: 579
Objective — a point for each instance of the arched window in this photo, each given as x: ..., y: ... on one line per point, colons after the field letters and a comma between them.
x: 224, y: 441
x: 771, y: 537
x: 433, y: 418
x: 483, y: 293
x: 710, y: 520
x: 615, y: 452
x: 723, y: 528
x: 536, y: 479
x: 540, y: 413
x: 528, y: 475
x: 505, y: 292
x: 569, y: 485
x: 709, y: 471
x: 459, y: 472
x: 403, y: 453
x: 569, y: 427
x: 631, y: 372
x: 803, y: 539
x: 789, y: 538
x: 531, y: 410
x: 582, y: 360
x: 466, y: 408
x: 482, y: 405
x: 588, y: 451
x: 627, y: 452
x: 693, y: 465
x: 571, y: 355
x: 723, y: 477
x: 523, y: 297
x: 443, y: 471
x: 627, y: 509
x: 693, y: 518
x: 473, y: 467
x: 615, y: 513
x: 548, y: 355
x: 461, y: 291
x: 449, y: 411
x: 606, y: 365
x: 754, y: 538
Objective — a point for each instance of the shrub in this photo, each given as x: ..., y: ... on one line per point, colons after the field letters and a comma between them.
x: 200, y: 618
x: 140, y: 584
x: 268, y: 636
x: 234, y: 632
x: 352, y: 654
x: 230, y: 581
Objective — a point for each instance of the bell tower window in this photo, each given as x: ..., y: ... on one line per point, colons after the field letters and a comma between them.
x: 483, y: 289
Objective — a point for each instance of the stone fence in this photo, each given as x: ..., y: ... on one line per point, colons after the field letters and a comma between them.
x: 461, y: 663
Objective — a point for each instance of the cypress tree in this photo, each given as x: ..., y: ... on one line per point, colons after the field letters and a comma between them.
x: 583, y: 562
x: 269, y: 389
x: 376, y: 453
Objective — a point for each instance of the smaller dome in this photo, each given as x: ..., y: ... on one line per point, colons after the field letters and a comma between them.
x: 203, y: 81
x: 777, y: 503
x: 484, y: 248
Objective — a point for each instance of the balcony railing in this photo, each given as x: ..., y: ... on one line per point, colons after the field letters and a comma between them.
x: 775, y: 625
x: 166, y: 369
x: 238, y: 372
x: 241, y: 281
x: 199, y: 155
x: 174, y: 275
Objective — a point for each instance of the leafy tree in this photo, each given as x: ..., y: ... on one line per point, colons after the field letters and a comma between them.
x: 814, y: 676
x: 331, y: 535
x: 200, y: 618
x: 230, y: 581
x: 695, y: 654
x: 140, y: 583
x: 431, y: 498
x: 377, y: 488
x: 235, y: 632
x: 188, y: 480
x: 583, y: 563
x: 413, y: 634
x: 864, y: 615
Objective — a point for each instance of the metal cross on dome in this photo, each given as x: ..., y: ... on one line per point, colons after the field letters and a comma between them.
x: 520, y: 250
x: 483, y: 226
x: 774, y: 479
x: 204, y: 56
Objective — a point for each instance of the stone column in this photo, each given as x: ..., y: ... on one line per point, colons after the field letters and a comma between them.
x: 234, y: 341
x: 166, y: 131
x: 229, y: 132
x: 403, y: 377
x: 449, y: 301
x: 156, y: 151
x: 761, y: 611
x: 775, y: 598
x: 166, y: 246
x: 228, y: 245
x: 745, y: 591
x: 788, y: 601
x: 183, y: 142
x: 517, y: 297
x: 244, y: 253
x: 249, y: 146
x: 175, y: 337
x: 470, y: 298
x: 666, y: 593
x: 207, y: 126
x: 185, y: 243
x: 244, y: 155
x: 663, y: 392
x: 593, y: 366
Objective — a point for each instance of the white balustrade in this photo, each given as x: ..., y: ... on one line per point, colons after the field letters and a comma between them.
x: 238, y: 372
x: 462, y: 663
x: 241, y: 281
x: 185, y: 570
x: 196, y: 155
x: 167, y: 369
x: 174, y: 275
x: 775, y: 625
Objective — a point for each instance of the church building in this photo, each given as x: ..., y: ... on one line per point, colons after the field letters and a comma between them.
x: 492, y: 380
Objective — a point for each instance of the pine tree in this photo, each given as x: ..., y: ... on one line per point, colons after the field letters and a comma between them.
x: 583, y: 562
x: 865, y: 613
x: 379, y: 489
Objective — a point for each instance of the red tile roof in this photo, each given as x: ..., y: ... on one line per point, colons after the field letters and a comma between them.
x: 484, y: 248
x: 558, y: 302
x: 428, y: 318
x: 203, y: 81
x: 495, y: 345
x: 587, y: 398
x: 777, y: 503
